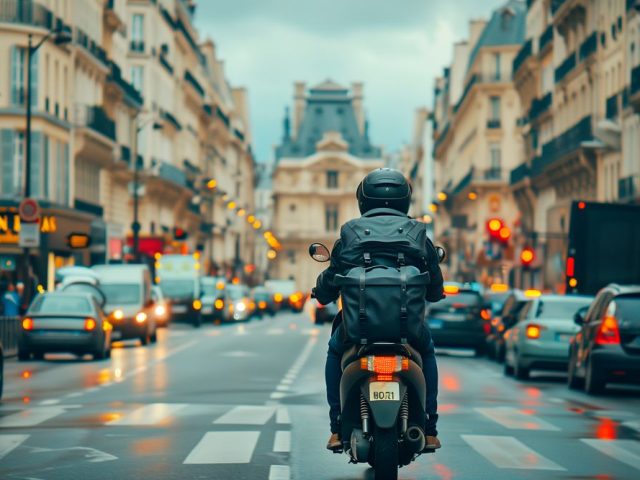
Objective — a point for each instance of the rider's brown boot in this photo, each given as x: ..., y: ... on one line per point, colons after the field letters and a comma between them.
x: 334, y: 443
x: 432, y: 443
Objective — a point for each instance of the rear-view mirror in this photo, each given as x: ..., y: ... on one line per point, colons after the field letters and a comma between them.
x: 319, y: 252
x: 578, y: 317
x: 442, y: 254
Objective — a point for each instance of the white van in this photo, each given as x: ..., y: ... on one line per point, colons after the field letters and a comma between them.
x: 127, y: 289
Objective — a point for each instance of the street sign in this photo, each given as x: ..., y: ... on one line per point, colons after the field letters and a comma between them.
x: 29, y: 235
x: 29, y: 210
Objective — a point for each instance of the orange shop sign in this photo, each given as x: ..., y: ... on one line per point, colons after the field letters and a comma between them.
x: 10, y: 226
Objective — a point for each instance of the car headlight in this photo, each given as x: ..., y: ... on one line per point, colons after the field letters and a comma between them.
x: 160, y: 310
x: 141, y: 317
x: 118, y: 314
x: 240, y: 307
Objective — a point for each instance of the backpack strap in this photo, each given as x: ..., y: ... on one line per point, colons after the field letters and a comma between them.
x: 404, y: 317
x: 362, y: 316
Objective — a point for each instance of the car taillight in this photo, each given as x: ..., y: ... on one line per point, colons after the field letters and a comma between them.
x: 219, y: 304
x: 485, y: 313
x: 384, y: 365
x: 89, y: 324
x: 608, y: 332
x: 486, y: 327
x: 262, y: 305
x: 533, y: 331
x: 27, y: 323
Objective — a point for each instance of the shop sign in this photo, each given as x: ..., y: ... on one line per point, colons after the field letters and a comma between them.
x: 10, y: 226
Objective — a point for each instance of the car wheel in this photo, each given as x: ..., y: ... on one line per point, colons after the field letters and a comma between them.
x: 197, y: 321
x: 491, y: 351
x: 38, y: 356
x: 23, y: 355
x: 479, y: 350
x: 109, y: 352
x: 573, y: 382
x: 521, y: 372
x: 100, y: 353
x: 508, y: 369
x: 154, y: 337
x: 145, y: 339
x: 594, y: 382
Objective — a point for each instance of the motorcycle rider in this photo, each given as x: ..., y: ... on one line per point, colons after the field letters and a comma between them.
x: 385, y: 192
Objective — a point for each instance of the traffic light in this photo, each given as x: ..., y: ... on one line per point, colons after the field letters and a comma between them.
x: 494, y: 225
x: 179, y: 233
x: 527, y: 255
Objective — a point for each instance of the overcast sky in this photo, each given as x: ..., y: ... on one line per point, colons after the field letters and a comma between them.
x: 396, y: 47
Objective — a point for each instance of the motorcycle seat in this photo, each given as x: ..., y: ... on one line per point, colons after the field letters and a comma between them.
x: 355, y: 352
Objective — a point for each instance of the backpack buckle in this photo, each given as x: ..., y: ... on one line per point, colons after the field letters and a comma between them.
x: 367, y: 258
x: 401, y: 260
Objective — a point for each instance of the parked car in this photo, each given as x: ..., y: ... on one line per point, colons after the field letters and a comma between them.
x: 264, y: 301
x: 321, y: 314
x: 212, y: 289
x: 161, y: 307
x: 237, y: 303
x: 540, y: 338
x: 507, y: 318
x: 179, y: 278
x: 71, y: 322
x: 127, y: 289
x: 494, y: 299
x: 606, y: 349
x: 459, y: 320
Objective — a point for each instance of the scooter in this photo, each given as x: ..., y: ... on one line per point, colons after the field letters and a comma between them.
x: 382, y: 397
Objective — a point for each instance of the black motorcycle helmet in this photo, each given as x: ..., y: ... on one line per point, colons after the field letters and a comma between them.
x: 384, y: 188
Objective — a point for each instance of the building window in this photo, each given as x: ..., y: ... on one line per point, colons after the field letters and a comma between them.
x: 88, y: 182
x: 137, y: 33
x: 331, y: 218
x: 332, y: 179
x: 137, y: 77
x: 19, y: 77
x: 495, y: 155
x: 495, y: 108
x: 496, y: 60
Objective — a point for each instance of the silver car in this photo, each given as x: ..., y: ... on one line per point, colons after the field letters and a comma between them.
x: 540, y: 338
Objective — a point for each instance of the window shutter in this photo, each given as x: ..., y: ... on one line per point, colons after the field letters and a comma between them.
x: 6, y: 161
x: 36, y: 164
x: 13, y: 73
x: 34, y: 78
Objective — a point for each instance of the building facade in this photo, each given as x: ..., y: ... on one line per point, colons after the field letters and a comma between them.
x: 325, y: 152
x: 477, y: 142
x: 135, y: 88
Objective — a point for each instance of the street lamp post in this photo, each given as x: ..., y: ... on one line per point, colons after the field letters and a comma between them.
x: 60, y: 37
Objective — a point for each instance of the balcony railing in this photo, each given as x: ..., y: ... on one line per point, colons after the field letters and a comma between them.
x: 172, y: 174
x: 627, y: 187
x: 441, y: 137
x: 91, y: 46
x: 88, y: 207
x: 171, y: 119
x: 540, y: 105
x: 523, y: 54
x: 95, y: 118
x: 612, y: 107
x: 589, y: 46
x: 563, y: 145
x: 635, y: 81
x: 489, y: 174
x: 222, y: 116
x: 128, y: 89
x: 165, y: 63
x: 191, y: 80
x: 137, y: 46
x: 493, y: 123
x: 565, y: 67
x: 27, y: 12
x: 546, y: 38
x: 519, y: 173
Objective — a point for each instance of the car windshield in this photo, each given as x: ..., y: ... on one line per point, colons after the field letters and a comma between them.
x: 563, y: 308
x: 65, y: 304
x: 261, y: 295
x: 121, y: 293
x: 459, y: 300
x: 496, y: 301
x: 210, y: 289
x: 235, y: 292
x: 177, y: 289
x: 628, y: 308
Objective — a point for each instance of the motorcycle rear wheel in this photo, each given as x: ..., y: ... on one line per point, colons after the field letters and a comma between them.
x: 385, y: 445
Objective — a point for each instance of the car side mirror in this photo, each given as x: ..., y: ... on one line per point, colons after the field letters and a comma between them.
x: 319, y: 252
x: 578, y: 317
x: 442, y: 254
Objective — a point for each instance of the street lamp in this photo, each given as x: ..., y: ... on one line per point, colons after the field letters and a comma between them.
x: 135, y: 225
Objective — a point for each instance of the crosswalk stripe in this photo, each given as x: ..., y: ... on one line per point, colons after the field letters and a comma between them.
x: 282, y: 442
x: 152, y: 414
x: 279, y: 472
x: 508, y: 452
x: 625, y: 451
x: 275, y: 331
x: 224, y: 448
x: 10, y: 442
x: 514, y: 419
x: 30, y: 417
x: 282, y: 416
x: 247, y: 415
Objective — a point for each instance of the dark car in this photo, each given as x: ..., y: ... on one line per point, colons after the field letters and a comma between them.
x: 68, y: 322
x: 607, y: 347
x: 321, y: 314
x: 459, y: 320
x: 263, y: 300
x: 212, y: 297
x: 506, y: 319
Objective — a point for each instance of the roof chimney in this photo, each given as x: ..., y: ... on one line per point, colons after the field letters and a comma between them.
x: 299, y: 91
x: 356, y: 90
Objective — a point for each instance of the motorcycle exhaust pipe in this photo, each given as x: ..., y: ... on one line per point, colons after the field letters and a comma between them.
x: 415, y: 439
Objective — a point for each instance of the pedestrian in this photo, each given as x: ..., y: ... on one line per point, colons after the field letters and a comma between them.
x: 22, y: 306
x: 11, y: 302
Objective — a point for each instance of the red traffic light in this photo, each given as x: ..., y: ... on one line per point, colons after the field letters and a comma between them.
x: 527, y: 256
x: 504, y: 233
x: 494, y: 225
x: 179, y: 233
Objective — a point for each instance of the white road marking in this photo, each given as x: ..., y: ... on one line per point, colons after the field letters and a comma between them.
x: 275, y: 331
x: 508, y: 452
x: 514, y: 419
x: 625, y: 451
x: 282, y: 416
x: 279, y: 472
x: 239, y: 354
x: 247, y: 415
x: 282, y: 442
x: 283, y: 388
x: 30, y: 417
x: 632, y: 424
x: 92, y: 455
x: 52, y: 401
x: 277, y: 395
x: 9, y: 442
x: 224, y: 447
x: 74, y: 394
x: 152, y: 414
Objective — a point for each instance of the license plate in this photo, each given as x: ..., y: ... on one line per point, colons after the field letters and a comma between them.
x: 563, y: 337
x: 207, y: 310
x: 179, y: 308
x: 435, y: 323
x: 384, y: 391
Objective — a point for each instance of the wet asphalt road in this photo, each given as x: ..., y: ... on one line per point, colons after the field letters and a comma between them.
x: 247, y: 402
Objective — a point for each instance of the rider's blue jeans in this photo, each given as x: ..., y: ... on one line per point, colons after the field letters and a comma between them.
x: 333, y: 373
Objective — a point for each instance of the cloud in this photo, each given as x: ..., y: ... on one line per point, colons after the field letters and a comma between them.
x: 396, y: 48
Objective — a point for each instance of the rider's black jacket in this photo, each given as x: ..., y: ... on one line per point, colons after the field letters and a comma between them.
x: 327, y: 291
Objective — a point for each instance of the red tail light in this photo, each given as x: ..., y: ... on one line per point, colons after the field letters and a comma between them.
x: 89, y: 324
x: 571, y: 266
x: 533, y: 331
x: 384, y: 365
x: 485, y: 314
x: 486, y: 326
x: 608, y: 333
x: 27, y: 323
